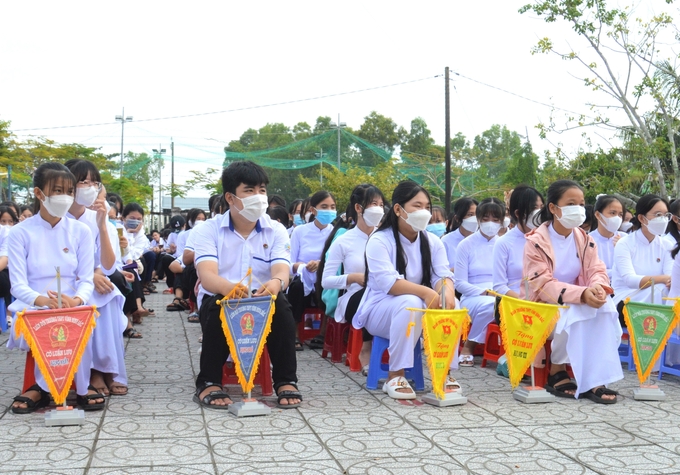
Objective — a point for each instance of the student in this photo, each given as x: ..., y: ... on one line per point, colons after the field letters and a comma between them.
x: 244, y: 230
x: 672, y: 237
x: 406, y: 268
x: 626, y: 225
x: 508, y: 252
x: 563, y: 267
x: 343, y: 266
x: 608, y: 215
x: 587, y: 225
x: 437, y: 225
x: 25, y: 212
x: 306, y: 244
x: 109, y: 375
x: 7, y: 220
x: 183, y: 276
x: 462, y: 224
x: 474, y: 278
x: 8, y: 217
x: 275, y: 201
x: 36, y: 246
x: 279, y: 213
x: 136, y: 250
x: 177, y: 224
x: 294, y: 213
x: 642, y: 256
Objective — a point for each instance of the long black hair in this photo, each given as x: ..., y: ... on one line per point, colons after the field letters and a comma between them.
x: 362, y: 195
x: 555, y: 192
x: 672, y: 228
x: 47, y: 175
x: 523, y: 203
x: 403, y: 193
x: 460, y: 209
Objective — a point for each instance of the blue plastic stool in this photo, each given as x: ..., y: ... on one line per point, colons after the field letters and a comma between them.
x: 626, y: 353
x: 377, y: 370
x: 3, y: 316
x: 670, y: 369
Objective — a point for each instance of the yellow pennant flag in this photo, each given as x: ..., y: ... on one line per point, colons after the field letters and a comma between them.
x: 442, y: 330
x: 525, y: 327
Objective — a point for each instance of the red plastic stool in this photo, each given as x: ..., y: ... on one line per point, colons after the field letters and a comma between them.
x: 308, y: 333
x: 541, y: 374
x: 29, y: 373
x: 334, y: 342
x: 493, y: 345
x: 263, y: 378
x: 353, y: 349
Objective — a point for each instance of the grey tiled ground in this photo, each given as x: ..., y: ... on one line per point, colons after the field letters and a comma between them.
x: 340, y: 428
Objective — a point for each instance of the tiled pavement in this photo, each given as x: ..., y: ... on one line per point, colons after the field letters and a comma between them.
x: 340, y: 428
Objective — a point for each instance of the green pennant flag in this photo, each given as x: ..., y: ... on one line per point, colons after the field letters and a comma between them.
x: 649, y: 328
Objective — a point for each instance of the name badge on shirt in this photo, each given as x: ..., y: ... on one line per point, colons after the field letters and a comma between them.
x: 65, y: 250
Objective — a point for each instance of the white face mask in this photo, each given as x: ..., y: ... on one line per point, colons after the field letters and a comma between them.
x: 57, y: 205
x: 86, y: 196
x: 470, y: 224
x: 530, y: 220
x: 373, y: 215
x: 657, y: 226
x: 417, y: 219
x: 572, y: 216
x: 308, y: 215
x: 506, y: 222
x: 625, y: 227
x: 611, y: 224
x: 254, y: 207
x: 489, y: 228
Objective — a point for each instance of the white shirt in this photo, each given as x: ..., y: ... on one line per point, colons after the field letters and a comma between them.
x: 35, y: 248
x: 451, y: 241
x: 381, y: 256
x: 508, y: 261
x: 605, y: 249
x: 4, y: 233
x: 669, y: 242
x: 636, y: 257
x: 217, y: 241
x: 306, y: 244
x: 137, y: 244
x: 346, y: 251
x: 474, y: 264
x: 181, y: 243
x: 154, y: 243
x: 89, y: 218
x: 675, y: 280
x: 567, y: 266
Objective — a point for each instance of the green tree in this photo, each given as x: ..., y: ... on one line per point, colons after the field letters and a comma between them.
x: 382, y: 132
x: 522, y: 167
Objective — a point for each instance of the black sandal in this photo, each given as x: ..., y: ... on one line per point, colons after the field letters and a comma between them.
x: 177, y: 305
x: 211, y: 396
x: 287, y: 394
x: 84, y: 401
x: 560, y: 390
x: 316, y: 343
x: 596, y: 394
x: 298, y: 345
x: 31, y: 405
x: 132, y: 333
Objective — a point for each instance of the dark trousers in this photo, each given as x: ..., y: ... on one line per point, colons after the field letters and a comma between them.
x: 351, y: 310
x: 126, y: 289
x: 280, y: 343
x: 164, y: 270
x: 149, y: 259
x: 298, y: 301
x: 5, y: 288
x: 189, y: 279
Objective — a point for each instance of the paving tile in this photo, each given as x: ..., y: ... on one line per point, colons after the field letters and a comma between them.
x: 279, y: 423
x: 197, y: 469
x: 154, y: 406
x: 484, y: 440
x: 575, y: 436
x: 254, y: 449
x: 401, y: 443
x: 45, y: 456
x: 320, y: 467
x: 521, y: 463
x: 641, y: 459
x: 151, y: 427
x: 455, y: 417
x: 135, y: 452
x: 403, y: 466
x: 357, y: 421
x: 31, y: 427
x: 660, y: 431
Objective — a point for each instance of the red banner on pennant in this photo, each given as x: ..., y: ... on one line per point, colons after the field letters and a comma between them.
x: 57, y: 339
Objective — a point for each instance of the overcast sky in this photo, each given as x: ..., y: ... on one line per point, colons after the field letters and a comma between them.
x: 78, y: 63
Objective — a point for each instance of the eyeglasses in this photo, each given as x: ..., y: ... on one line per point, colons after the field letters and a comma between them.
x: 96, y: 184
x: 661, y: 215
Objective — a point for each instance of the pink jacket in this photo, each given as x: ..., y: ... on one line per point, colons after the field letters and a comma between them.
x: 539, y: 261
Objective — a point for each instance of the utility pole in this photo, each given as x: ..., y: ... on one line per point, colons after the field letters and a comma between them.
x: 159, y: 154
x: 172, y: 175
x: 339, y: 125
x: 9, y: 183
x: 447, y: 141
x: 122, y: 120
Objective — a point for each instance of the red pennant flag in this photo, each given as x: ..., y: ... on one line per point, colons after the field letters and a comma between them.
x: 57, y: 339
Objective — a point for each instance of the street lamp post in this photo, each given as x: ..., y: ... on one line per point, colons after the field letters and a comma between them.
x: 338, y: 126
x: 159, y: 154
x: 122, y: 120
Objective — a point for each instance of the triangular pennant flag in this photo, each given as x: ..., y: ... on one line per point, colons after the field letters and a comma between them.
x: 57, y: 339
x: 525, y: 326
x: 649, y: 328
x: 246, y: 324
x: 442, y: 330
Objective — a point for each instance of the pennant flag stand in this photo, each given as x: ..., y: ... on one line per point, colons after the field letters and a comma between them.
x: 57, y: 339
x: 649, y: 328
x: 246, y: 323
x: 525, y: 327
x: 442, y: 330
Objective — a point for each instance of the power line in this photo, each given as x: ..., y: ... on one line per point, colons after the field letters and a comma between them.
x: 294, y: 101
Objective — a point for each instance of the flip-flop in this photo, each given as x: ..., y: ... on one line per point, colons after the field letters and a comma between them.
x: 120, y: 387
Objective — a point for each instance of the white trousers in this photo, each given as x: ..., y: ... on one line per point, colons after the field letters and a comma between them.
x: 108, y: 347
x: 480, y: 308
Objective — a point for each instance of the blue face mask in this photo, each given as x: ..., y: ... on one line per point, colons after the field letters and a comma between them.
x: 132, y: 223
x: 437, y: 228
x: 326, y: 216
x: 113, y: 221
x: 298, y: 220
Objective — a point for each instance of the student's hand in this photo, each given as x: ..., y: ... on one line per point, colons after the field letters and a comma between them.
x: 450, y: 299
x: 312, y: 266
x: 237, y: 291
x: 102, y: 215
x: 70, y: 302
x: 272, y: 287
x: 129, y: 276
x: 122, y: 240
x: 668, y: 281
x: 616, y: 239
x: 48, y: 302
x: 102, y: 284
x: 431, y: 298
x: 591, y: 297
x: 356, y: 278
